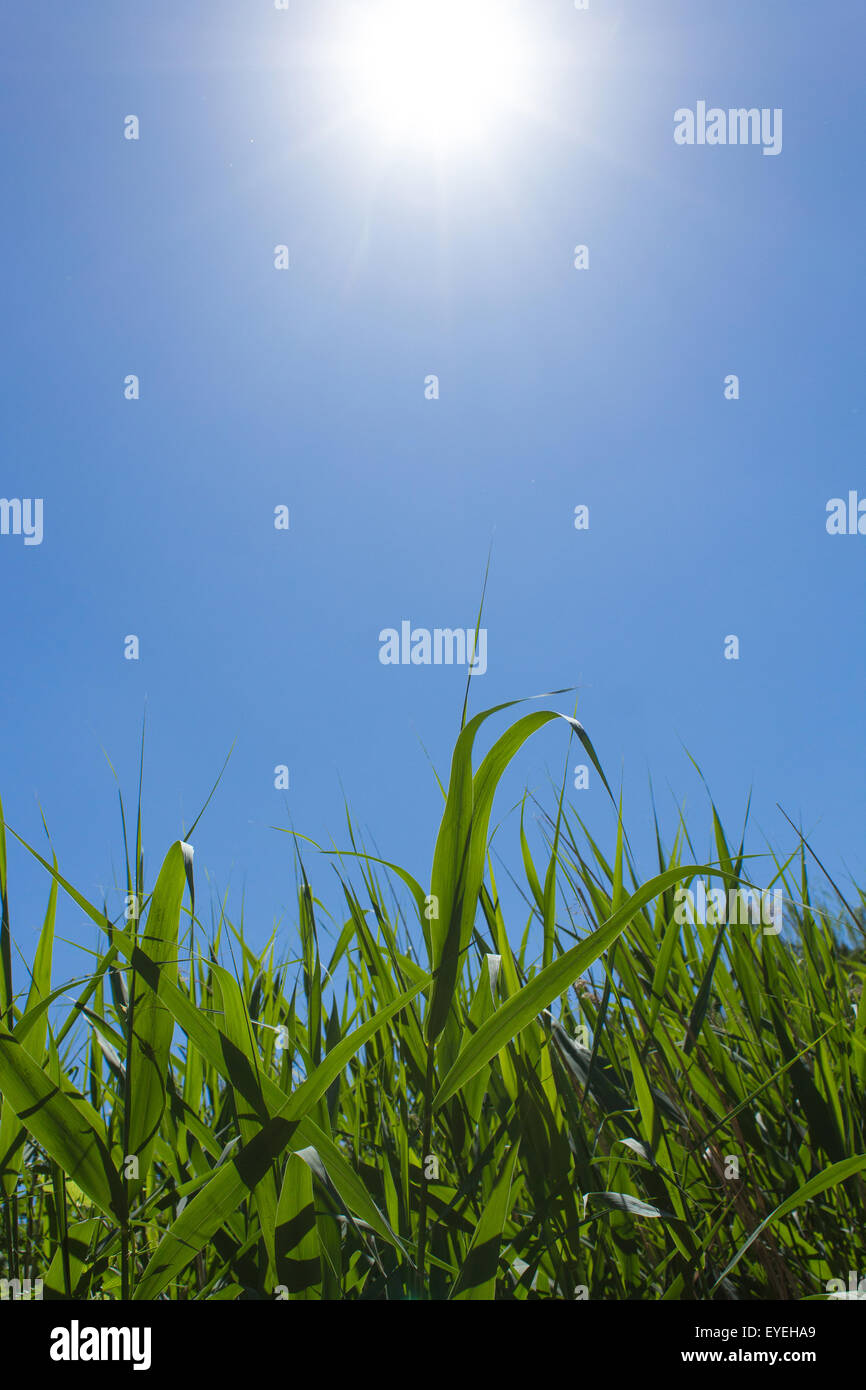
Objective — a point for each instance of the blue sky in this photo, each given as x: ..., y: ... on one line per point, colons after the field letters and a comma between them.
x: 558, y: 387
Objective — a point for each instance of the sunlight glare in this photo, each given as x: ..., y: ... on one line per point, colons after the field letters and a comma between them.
x: 441, y: 74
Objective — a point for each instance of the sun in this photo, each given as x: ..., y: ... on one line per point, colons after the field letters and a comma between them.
x: 438, y: 73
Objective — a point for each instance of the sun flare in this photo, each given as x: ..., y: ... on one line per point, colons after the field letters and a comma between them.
x: 438, y: 75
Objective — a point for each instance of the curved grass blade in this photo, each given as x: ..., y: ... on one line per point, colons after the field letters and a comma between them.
x: 239, y: 1177
x: 151, y: 1023
x: 519, y: 1011
x: 838, y: 1172
x: 298, y: 1260
x: 624, y: 1201
x: 62, y: 1122
x: 477, y: 1277
x: 12, y: 1132
x: 461, y: 847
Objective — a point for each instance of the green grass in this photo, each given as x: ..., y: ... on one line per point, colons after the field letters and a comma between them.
x: 428, y: 1109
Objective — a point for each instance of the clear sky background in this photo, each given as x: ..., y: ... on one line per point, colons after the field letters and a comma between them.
x: 306, y: 387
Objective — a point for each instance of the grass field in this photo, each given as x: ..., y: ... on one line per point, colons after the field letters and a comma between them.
x: 445, y: 1104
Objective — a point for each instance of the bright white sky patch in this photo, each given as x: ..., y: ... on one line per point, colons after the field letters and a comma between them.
x: 438, y: 73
